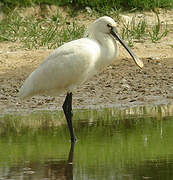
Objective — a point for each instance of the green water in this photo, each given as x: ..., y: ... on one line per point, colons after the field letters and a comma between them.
x: 130, y: 144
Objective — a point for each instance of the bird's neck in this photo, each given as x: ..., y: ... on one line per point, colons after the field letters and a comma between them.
x: 109, y: 49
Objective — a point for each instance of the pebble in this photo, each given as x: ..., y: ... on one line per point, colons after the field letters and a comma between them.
x: 132, y: 100
x: 126, y: 86
x: 123, y: 81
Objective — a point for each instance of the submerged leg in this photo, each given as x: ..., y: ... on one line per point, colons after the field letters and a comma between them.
x: 69, y: 166
x: 67, y: 107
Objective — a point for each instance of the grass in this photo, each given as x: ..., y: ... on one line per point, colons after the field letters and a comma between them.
x: 38, y: 32
x: 39, y: 120
x: 54, y: 30
x: 95, y: 4
x: 134, y: 30
x: 141, y: 30
x: 156, y: 33
x: 46, y: 119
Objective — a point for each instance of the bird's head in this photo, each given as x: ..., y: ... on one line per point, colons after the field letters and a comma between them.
x: 107, y: 25
x: 104, y: 24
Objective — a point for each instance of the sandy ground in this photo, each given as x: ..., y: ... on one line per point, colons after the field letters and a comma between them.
x: 122, y: 84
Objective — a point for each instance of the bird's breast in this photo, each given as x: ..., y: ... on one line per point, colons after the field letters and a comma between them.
x: 108, y: 53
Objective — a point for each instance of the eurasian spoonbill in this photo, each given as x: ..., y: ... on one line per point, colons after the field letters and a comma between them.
x: 75, y: 62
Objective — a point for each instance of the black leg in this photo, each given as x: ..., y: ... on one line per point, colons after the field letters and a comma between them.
x: 69, y: 166
x: 67, y: 107
x: 70, y: 155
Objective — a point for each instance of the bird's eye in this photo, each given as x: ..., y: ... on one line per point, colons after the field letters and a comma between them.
x: 109, y: 26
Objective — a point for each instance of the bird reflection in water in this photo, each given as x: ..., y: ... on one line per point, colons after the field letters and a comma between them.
x: 49, y: 170
x: 61, y: 169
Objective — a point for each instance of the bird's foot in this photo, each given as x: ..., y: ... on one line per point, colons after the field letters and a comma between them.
x: 73, y: 139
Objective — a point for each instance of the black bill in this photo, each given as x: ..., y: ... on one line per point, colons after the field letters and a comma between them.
x: 135, y: 58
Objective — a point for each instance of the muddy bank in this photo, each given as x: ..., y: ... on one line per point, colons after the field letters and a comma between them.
x: 119, y: 85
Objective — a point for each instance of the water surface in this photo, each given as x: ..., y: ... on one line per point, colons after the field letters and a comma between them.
x: 134, y: 143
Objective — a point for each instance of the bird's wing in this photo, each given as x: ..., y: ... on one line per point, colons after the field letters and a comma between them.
x: 67, y: 66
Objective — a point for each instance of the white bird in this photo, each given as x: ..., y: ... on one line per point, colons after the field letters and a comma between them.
x: 75, y: 62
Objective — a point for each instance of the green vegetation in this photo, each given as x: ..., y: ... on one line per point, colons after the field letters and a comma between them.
x: 141, y: 30
x: 53, y: 30
x: 50, y: 32
x: 155, y: 33
x: 95, y: 4
x: 45, y: 119
x: 134, y: 30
